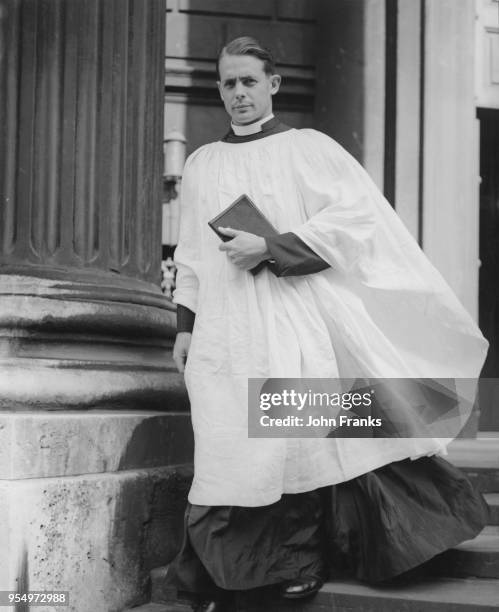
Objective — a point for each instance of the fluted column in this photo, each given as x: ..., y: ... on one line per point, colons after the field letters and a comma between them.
x: 92, y: 412
x: 81, y: 122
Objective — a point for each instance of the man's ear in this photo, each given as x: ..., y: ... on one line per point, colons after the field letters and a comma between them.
x: 275, y: 81
x: 219, y: 85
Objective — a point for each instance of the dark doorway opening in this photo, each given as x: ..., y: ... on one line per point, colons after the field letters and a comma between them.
x: 489, y: 269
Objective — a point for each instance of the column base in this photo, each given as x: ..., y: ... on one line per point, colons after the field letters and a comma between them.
x: 68, y: 344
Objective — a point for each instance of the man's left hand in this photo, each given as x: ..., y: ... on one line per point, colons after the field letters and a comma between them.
x: 245, y: 250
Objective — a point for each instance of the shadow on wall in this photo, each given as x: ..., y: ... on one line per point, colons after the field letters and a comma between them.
x: 23, y: 582
x: 148, y: 516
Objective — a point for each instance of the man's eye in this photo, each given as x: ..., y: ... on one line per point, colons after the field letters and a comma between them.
x: 249, y: 81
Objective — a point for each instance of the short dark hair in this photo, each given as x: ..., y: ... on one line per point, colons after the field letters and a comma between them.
x: 247, y: 45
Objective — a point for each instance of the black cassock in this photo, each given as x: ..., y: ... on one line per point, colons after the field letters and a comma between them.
x: 373, y: 527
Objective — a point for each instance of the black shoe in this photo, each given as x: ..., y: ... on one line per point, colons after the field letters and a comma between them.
x: 299, y: 589
x: 212, y: 606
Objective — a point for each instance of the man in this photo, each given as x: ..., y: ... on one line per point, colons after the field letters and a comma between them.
x: 345, y: 292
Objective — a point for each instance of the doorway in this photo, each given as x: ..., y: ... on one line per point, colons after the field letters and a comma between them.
x: 489, y: 270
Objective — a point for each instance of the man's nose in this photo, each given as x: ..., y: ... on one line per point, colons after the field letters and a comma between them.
x: 239, y: 90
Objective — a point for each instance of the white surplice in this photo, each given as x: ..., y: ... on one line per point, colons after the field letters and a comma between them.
x: 381, y: 310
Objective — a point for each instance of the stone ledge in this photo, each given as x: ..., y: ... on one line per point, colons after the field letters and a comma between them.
x: 479, y: 453
x: 478, y: 557
x: 54, y: 384
x: 50, y: 444
x: 97, y: 536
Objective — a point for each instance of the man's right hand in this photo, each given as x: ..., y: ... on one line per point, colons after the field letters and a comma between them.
x: 181, y: 349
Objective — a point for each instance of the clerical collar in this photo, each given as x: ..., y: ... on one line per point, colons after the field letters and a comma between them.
x: 268, y: 127
x: 251, y: 128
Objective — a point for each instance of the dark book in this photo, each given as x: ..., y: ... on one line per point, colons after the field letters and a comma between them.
x: 244, y: 215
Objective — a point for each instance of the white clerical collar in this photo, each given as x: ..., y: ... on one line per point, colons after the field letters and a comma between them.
x: 251, y: 128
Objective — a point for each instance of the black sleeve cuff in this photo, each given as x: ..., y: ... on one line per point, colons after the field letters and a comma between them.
x: 290, y: 256
x: 185, y: 319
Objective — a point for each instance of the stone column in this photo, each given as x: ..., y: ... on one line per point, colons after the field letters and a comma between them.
x: 450, y: 223
x: 83, y: 320
x: 350, y: 91
x: 86, y: 375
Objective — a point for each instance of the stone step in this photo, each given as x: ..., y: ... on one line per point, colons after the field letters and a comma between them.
x: 477, y: 558
x: 437, y: 595
x: 428, y: 595
x: 479, y: 459
x: 154, y: 607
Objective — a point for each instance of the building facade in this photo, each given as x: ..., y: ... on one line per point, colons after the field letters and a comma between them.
x: 93, y: 421
x: 90, y: 427
x: 409, y: 87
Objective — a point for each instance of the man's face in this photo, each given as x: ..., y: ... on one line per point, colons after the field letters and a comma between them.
x: 245, y: 88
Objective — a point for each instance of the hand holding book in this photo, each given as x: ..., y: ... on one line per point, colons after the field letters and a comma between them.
x: 244, y: 249
x: 236, y: 223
